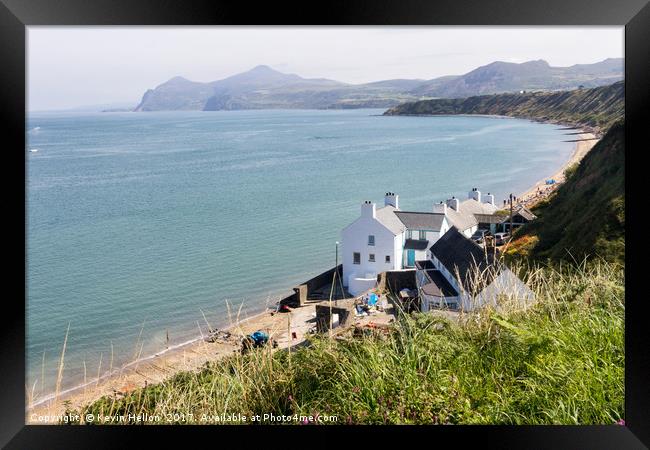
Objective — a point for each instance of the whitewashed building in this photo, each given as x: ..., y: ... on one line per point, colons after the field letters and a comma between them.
x: 387, y: 238
x: 460, y: 274
x: 372, y: 244
x: 463, y: 215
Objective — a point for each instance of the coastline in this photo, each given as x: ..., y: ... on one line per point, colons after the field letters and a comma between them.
x: 540, y: 190
x: 587, y: 138
x: 188, y: 355
x: 194, y: 353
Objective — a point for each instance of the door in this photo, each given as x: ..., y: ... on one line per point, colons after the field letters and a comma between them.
x: 410, y: 258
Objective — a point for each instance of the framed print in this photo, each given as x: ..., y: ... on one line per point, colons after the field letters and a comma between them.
x: 387, y: 218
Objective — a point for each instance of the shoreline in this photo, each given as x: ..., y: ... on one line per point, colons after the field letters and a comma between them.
x: 586, y: 139
x: 540, y: 190
x: 140, y: 372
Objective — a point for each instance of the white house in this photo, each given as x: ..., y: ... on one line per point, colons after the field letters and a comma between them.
x: 462, y: 275
x: 463, y: 215
x: 387, y: 238
x: 372, y: 244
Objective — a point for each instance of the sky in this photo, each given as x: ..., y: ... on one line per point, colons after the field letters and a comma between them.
x: 68, y: 67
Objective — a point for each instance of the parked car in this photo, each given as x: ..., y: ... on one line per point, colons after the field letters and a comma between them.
x: 479, y: 236
x: 501, y: 238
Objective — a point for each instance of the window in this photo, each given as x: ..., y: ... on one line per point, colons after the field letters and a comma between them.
x: 371, y: 257
x: 371, y: 240
x: 409, y: 234
x: 388, y: 258
x: 423, y: 235
x: 356, y: 258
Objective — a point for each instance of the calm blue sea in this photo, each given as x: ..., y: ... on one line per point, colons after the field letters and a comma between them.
x: 147, y: 221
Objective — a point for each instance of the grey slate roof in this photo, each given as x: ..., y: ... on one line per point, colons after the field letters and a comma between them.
x: 415, y: 220
x: 438, y: 286
x: 465, y: 260
x: 525, y: 213
x: 416, y: 244
x: 490, y: 218
x: 386, y: 216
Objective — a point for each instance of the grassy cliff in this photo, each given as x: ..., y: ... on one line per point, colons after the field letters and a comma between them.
x: 558, y: 361
x: 586, y: 216
x: 596, y: 108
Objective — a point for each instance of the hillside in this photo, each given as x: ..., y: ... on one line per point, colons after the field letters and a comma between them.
x: 560, y: 361
x: 586, y: 216
x: 263, y: 87
x: 596, y: 108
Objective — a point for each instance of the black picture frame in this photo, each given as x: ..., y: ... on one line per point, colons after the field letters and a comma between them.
x: 15, y: 15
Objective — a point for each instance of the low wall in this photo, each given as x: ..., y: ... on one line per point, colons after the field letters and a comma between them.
x: 358, y: 285
x: 301, y: 292
x: 323, y: 316
x: 396, y: 280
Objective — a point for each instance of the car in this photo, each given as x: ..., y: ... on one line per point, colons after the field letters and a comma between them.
x: 501, y: 238
x: 479, y: 236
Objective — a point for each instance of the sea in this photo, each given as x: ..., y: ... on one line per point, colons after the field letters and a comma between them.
x: 146, y: 229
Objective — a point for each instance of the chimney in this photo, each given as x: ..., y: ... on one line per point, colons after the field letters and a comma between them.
x: 475, y: 194
x: 369, y: 210
x: 440, y: 208
x: 489, y: 198
x: 391, y: 198
x: 453, y: 203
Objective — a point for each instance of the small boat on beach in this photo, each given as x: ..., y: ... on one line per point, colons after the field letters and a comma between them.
x: 33, y: 150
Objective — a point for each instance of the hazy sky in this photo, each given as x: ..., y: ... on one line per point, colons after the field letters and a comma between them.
x: 73, y: 66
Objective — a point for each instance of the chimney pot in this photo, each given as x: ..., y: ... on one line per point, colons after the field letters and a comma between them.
x: 453, y: 203
x: 475, y: 194
x: 391, y: 199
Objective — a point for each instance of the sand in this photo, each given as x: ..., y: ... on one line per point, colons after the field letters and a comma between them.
x: 540, y: 189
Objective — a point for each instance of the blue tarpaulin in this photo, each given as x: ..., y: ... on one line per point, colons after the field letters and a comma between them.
x: 372, y: 300
x: 260, y: 337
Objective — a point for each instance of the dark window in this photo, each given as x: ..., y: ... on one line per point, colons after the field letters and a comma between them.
x: 357, y: 258
x: 423, y: 235
x: 371, y: 240
x: 371, y: 257
x: 387, y: 258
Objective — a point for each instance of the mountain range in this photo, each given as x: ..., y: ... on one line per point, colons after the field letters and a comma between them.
x: 265, y: 88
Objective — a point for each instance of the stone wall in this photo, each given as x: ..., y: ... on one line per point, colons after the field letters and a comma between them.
x: 301, y: 292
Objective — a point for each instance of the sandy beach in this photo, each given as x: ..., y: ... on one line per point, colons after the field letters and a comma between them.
x: 540, y: 190
x: 183, y: 357
x: 190, y: 357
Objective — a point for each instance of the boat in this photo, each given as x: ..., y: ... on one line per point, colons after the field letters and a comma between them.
x: 33, y: 150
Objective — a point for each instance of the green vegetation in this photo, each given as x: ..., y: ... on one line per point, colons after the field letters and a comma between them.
x: 559, y: 360
x: 586, y: 216
x: 596, y: 108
